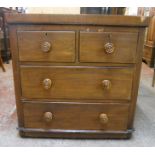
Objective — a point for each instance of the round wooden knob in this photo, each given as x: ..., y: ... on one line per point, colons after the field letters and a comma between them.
x: 109, y: 48
x: 48, y: 116
x: 103, y: 118
x: 106, y: 84
x: 47, y: 83
x: 46, y: 46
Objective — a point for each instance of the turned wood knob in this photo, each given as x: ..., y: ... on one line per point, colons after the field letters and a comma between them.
x: 47, y: 83
x: 46, y: 46
x: 48, y: 116
x: 106, y: 84
x: 103, y: 118
x: 109, y: 48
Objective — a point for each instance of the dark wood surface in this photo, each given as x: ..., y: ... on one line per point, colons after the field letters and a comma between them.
x: 1, y: 61
x: 75, y: 134
x: 5, y: 41
x: 149, y: 45
x: 73, y: 116
x: 149, y: 55
x: 77, y: 19
x: 62, y: 46
x: 92, y: 47
x: 103, y: 10
x: 70, y: 82
x: 71, y: 93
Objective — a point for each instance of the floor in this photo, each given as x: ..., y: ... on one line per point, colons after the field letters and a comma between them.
x: 144, y: 134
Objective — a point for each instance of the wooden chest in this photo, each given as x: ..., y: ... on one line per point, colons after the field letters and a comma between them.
x: 76, y: 76
x: 149, y: 54
x: 149, y: 45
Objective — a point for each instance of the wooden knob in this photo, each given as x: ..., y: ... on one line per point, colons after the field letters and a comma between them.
x: 48, y: 116
x: 103, y: 118
x: 47, y: 83
x: 106, y: 84
x: 109, y: 48
x: 46, y: 46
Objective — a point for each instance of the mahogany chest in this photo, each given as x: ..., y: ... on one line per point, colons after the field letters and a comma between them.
x: 76, y: 76
x: 149, y: 45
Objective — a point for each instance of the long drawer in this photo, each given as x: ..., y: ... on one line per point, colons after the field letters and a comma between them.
x: 112, y: 47
x: 76, y: 116
x: 49, y: 46
x: 70, y: 82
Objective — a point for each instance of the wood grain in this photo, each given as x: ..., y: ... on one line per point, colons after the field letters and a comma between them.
x: 62, y: 46
x: 92, y: 47
x: 75, y: 134
x: 76, y: 82
x: 82, y: 82
x: 16, y: 74
x: 76, y: 116
x: 78, y: 19
x: 136, y: 77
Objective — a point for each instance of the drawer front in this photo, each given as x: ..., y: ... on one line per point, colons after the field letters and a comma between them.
x: 116, y: 47
x: 83, y: 116
x: 49, y: 46
x: 76, y: 82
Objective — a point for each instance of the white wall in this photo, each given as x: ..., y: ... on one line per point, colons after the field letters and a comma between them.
x: 131, y: 11
x: 69, y: 10
x: 53, y: 10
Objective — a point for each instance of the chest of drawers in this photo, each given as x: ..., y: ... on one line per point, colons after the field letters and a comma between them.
x: 76, y: 76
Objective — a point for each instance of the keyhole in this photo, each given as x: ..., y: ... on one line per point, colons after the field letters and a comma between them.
x: 109, y: 38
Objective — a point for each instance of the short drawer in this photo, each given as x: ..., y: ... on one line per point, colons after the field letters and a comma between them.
x: 49, y: 46
x: 76, y: 116
x: 116, y: 47
x: 75, y: 82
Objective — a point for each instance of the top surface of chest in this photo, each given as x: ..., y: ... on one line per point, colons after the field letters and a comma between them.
x: 86, y: 19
